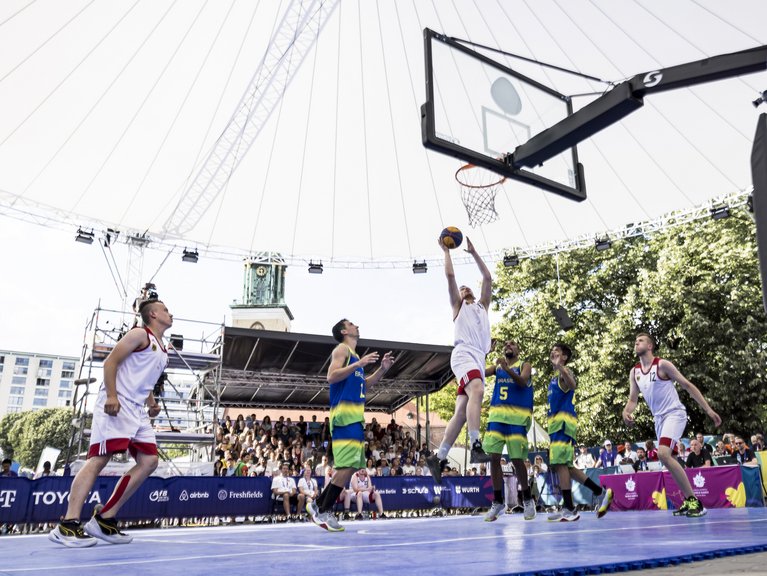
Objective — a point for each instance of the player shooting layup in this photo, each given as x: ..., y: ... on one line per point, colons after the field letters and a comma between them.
x: 472, y: 343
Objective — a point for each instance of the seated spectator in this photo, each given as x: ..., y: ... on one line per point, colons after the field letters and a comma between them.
x: 385, y: 469
x: 46, y: 471
x: 641, y: 463
x: 272, y: 464
x: 584, y: 460
x: 757, y: 443
x: 375, y: 453
x: 451, y: 471
x: 698, y: 457
x: 743, y: 453
x: 482, y: 470
x: 371, y: 468
x: 542, y: 467
x: 308, y: 490
x: 396, y: 469
x: 680, y: 454
x: 321, y: 468
x: 422, y: 465
x: 379, y: 472
x: 627, y: 456
x: 362, y: 489
x: 266, y: 423
x: 284, y: 489
x: 470, y: 472
x: 704, y: 445
x: 5, y: 471
x: 408, y: 469
x: 392, y: 427
x: 258, y: 469
x: 719, y: 450
x: 729, y: 443
x: 652, y: 452
x: 608, y: 457
x: 314, y: 430
x: 306, y: 451
x: 219, y: 464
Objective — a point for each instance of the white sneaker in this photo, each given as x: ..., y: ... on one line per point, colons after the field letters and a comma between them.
x: 71, y: 535
x: 496, y: 509
x: 106, y: 529
x: 529, y: 509
x: 328, y: 521
x: 565, y: 516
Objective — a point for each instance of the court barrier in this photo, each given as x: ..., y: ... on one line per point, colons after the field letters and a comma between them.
x: 45, y: 500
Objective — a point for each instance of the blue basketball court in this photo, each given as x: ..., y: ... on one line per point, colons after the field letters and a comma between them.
x: 464, y: 544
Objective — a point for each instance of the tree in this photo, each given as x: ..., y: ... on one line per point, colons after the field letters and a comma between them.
x: 695, y: 287
x: 26, y: 434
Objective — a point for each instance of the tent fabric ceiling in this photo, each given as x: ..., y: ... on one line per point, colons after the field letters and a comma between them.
x: 112, y: 107
x: 263, y: 368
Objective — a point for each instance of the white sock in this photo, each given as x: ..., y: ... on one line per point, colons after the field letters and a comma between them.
x: 473, y: 436
x: 443, y: 450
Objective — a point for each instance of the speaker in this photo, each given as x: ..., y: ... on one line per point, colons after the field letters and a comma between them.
x: 177, y: 341
x: 759, y: 177
x: 562, y: 318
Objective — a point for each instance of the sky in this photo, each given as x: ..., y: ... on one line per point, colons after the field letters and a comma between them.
x: 110, y: 110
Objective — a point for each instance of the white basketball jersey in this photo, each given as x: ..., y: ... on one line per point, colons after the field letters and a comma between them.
x: 139, y: 372
x: 362, y: 483
x: 472, y: 326
x: 660, y: 395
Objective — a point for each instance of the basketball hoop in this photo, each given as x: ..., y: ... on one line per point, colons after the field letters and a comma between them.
x: 478, y: 189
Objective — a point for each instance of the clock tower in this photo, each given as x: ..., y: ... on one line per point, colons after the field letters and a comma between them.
x: 263, y: 295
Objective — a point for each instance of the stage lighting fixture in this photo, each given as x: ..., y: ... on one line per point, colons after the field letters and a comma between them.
x: 510, y: 260
x: 602, y: 244
x: 760, y: 100
x: 189, y: 256
x: 315, y: 268
x: 720, y: 212
x: 84, y: 237
x: 419, y: 267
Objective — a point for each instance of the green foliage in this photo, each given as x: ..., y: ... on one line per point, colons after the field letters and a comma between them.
x: 695, y: 287
x: 25, y: 434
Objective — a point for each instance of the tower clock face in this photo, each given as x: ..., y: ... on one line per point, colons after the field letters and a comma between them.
x: 261, y: 271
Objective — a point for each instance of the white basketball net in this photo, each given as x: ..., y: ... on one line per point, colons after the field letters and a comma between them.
x: 478, y: 189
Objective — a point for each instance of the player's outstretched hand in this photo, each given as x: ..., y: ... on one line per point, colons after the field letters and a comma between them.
x: 388, y: 360
x: 371, y: 358
x: 470, y: 247
x: 445, y: 249
x: 716, y: 418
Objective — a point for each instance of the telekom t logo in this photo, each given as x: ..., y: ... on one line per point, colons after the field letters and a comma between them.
x: 7, y: 497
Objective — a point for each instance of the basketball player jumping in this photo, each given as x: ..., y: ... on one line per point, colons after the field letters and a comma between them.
x: 655, y: 378
x: 472, y: 343
x: 120, y: 423
x: 346, y: 376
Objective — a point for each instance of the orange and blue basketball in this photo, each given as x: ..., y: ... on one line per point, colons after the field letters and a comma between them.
x: 451, y: 237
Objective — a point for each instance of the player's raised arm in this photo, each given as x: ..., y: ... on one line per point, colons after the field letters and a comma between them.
x: 338, y: 369
x: 452, y: 286
x: 486, y: 291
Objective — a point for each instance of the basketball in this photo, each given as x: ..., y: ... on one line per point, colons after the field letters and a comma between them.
x: 451, y: 237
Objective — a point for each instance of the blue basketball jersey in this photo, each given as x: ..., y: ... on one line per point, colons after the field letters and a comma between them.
x: 347, y: 397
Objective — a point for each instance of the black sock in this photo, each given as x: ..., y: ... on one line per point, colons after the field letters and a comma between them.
x: 498, y: 496
x: 567, y: 496
x: 593, y: 486
x: 331, y: 495
x: 527, y: 494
